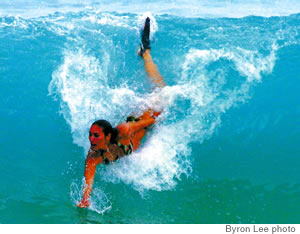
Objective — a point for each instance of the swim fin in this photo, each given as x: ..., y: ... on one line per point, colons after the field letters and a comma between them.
x: 145, y: 38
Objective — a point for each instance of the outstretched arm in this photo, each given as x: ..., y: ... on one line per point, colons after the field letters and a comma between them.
x: 89, y: 174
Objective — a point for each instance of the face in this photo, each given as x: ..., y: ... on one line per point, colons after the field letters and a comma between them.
x: 97, y: 138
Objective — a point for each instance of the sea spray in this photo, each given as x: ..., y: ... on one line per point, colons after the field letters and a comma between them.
x: 165, y: 155
x: 100, y: 202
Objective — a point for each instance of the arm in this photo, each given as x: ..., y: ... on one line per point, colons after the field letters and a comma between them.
x: 146, y: 120
x: 136, y: 126
x: 89, y: 174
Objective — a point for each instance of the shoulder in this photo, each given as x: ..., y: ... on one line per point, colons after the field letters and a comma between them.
x: 124, y: 129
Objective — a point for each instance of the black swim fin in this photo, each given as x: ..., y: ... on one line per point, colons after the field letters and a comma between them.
x: 145, y: 37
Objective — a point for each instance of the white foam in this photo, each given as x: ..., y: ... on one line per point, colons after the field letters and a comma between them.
x: 114, y: 20
x: 16, y: 23
x: 249, y: 63
x: 78, y: 81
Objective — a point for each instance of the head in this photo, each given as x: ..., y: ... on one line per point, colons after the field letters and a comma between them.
x: 101, y: 134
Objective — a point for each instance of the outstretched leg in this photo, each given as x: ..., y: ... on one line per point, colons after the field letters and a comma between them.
x: 144, y: 52
x: 152, y: 70
x: 149, y: 116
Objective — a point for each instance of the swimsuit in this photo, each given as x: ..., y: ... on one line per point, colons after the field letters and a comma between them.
x: 126, y: 148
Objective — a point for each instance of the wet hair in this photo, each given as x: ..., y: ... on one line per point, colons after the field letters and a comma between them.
x: 107, y: 128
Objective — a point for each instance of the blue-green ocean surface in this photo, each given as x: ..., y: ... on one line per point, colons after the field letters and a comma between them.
x: 226, y: 147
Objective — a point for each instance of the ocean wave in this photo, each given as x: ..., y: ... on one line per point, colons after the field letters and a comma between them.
x: 193, y: 106
x: 203, y: 9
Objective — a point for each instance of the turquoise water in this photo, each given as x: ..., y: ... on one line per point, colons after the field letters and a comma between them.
x: 225, y: 149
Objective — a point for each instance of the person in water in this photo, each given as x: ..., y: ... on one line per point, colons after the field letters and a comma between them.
x: 108, y: 143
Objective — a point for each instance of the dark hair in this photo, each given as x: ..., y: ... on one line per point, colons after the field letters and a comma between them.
x: 107, y: 128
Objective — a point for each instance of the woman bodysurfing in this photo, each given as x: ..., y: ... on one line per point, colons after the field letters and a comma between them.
x: 108, y: 143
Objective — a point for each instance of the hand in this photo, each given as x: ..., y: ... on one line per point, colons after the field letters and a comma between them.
x: 84, y: 203
x: 156, y: 114
x: 150, y: 114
